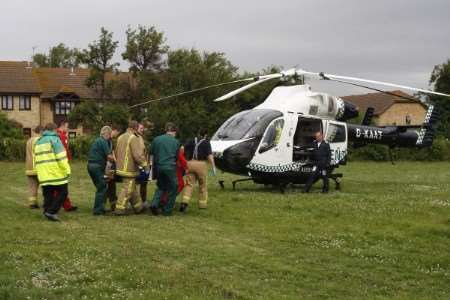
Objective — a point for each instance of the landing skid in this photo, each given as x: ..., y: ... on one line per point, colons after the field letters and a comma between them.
x: 283, y: 185
x: 234, y: 182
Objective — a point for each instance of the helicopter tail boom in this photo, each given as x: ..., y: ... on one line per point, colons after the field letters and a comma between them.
x: 396, y: 136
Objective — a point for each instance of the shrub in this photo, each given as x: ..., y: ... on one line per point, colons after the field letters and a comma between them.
x: 80, y: 146
x: 12, y: 149
x: 9, y: 128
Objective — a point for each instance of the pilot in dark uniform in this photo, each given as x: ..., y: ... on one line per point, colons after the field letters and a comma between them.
x: 322, y: 158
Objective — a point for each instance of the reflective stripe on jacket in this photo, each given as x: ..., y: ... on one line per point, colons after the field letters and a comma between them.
x: 130, y: 154
x: 51, y: 163
x: 30, y: 169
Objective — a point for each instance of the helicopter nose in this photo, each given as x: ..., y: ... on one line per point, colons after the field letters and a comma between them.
x: 236, y: 158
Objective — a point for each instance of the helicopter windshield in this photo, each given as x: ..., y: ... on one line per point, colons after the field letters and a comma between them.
x: 246, y: 124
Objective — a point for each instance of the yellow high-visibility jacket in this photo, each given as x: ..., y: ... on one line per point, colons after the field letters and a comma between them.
x: 30, y: 169
x: 51, y: 163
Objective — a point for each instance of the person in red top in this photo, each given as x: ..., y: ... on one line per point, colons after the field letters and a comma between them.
x: 181, y: 171
x: 62, y: 130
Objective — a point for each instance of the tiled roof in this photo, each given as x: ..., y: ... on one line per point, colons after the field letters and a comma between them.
x: 58, y: 80
x: 17, y: 77
x: 379, y: 101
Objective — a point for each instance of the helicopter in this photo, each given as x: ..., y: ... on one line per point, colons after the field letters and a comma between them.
x: 271, y: 144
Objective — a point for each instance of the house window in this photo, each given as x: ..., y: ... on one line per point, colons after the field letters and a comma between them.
x: 63, y: 108
x: 25, y: 103
x: 7, y: 103
x: 26, y: 132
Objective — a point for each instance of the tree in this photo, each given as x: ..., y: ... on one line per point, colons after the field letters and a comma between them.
x: 188, y: 69
x: 59, y: 56
x: 98, y: 58
x: 92, y: 116
x: 145, y: 49
x: 146, y: 52
x: 41, y: 60
x: 86, y: 114
x: 440, y: 77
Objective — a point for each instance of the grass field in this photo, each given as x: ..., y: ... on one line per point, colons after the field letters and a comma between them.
x: 385, y: 235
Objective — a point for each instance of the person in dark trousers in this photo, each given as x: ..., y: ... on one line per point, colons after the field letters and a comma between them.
x: 322, y: 158
x: 52, y: 169
x: 99, y: 154
x: 164, y: 149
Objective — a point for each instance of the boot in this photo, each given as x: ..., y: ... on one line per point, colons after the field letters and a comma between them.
x: 183, y: 207
x: 52, y: 217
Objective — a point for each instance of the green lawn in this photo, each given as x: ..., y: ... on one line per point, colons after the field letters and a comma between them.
x: 385, y: 235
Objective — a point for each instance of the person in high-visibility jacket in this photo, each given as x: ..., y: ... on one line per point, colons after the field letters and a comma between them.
x: 53, y: 170
x: 130, y: 158
x: 30, y: 170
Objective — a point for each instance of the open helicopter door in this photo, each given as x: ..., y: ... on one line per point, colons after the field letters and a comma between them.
x: 306, y: 128
x: 336, y: 136
x: 274, y: 154
x: 271, y: 151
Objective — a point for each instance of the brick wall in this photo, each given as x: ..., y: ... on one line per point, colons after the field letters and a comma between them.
x: 28, y: 118
x: 396, y: 114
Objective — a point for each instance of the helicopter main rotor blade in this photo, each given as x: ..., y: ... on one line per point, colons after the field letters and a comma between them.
x: 331, y: 77
x: 244, y: 88
x: 258, y: 80
x: 192, y: 91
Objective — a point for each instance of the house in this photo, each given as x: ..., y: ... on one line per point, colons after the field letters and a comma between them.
x: 36, y: 96
x: 402, y: 109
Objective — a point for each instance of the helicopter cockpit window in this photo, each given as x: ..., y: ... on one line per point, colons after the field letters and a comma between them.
x: 246, y: 124
x: 272, y: 136
x: 336, y: 133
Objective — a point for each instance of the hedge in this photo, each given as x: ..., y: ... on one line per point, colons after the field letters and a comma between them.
x: 439, y: 151
x: 14, y: 149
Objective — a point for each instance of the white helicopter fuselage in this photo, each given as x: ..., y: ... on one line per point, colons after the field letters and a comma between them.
x: 276, y: 136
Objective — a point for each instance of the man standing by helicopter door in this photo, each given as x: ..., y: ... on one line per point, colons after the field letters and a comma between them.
x: 322, y: 158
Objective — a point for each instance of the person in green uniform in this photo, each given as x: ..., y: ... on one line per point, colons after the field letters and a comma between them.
x: 100, y: 152
x: 164, y: 149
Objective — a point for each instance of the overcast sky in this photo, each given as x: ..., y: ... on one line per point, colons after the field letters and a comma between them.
x: 388, y: 40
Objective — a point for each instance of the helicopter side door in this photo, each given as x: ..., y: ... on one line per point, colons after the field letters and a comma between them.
x: 336, y: 136
x: 275, y: 148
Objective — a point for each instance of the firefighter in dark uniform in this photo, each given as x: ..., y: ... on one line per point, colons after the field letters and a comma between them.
x: 322, y: 158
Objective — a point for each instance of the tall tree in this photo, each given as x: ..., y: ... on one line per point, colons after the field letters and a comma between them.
x: 188, y: 69
x: 98, y: 58
x: 145, y: 49
x: 146, y: 53
x: 59, y: 56
x: 440, y: 78
x: 92, y: 116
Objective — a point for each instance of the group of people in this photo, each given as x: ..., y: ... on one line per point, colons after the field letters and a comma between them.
x: 175, y: 167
